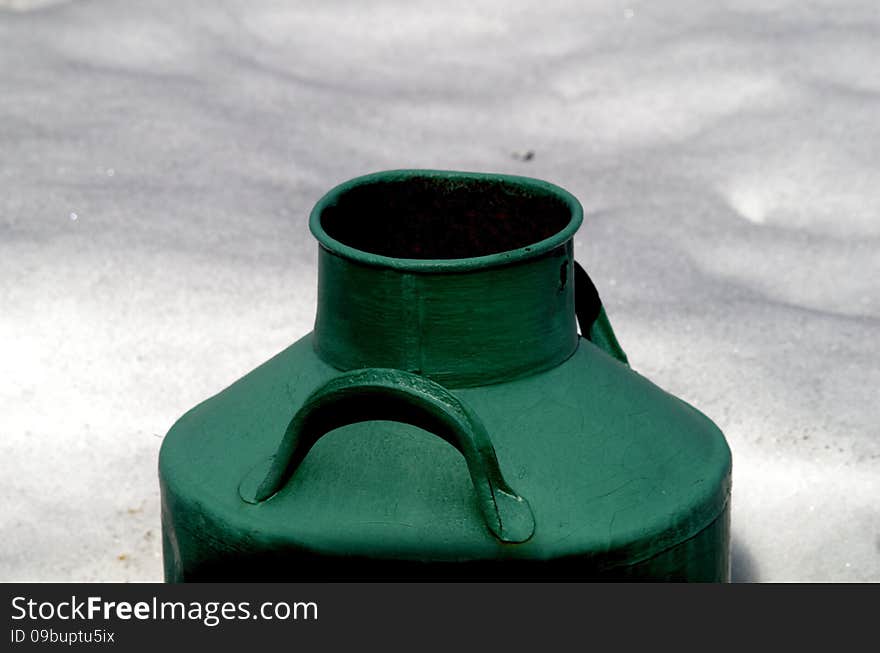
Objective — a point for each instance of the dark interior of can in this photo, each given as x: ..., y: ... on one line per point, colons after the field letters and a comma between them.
x: 443, y: 218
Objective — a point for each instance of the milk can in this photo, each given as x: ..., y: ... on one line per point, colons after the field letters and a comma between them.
x: 461, y: 410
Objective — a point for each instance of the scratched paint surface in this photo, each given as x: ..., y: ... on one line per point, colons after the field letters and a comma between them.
x: 157, y: 166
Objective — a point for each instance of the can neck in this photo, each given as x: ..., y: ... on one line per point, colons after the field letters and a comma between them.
x: 465, y: 278
x: 461, y: 328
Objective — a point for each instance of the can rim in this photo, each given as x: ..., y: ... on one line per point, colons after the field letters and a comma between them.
x: 529, y: 185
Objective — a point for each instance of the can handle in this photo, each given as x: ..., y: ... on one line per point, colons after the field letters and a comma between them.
x: 591, y: 315
x: 396, y: 395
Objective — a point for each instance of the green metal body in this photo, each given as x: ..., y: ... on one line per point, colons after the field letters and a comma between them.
x: 445, y: 419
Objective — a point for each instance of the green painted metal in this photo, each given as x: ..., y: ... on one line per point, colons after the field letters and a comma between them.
x: 448, y: 307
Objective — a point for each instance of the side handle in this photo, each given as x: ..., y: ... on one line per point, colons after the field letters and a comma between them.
x: 591, y: 316
x: 389, y: 394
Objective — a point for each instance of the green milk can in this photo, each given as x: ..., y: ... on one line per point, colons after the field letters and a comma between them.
x: 446, y: 419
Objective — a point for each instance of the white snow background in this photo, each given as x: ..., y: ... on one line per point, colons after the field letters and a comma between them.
x: 158, y: 161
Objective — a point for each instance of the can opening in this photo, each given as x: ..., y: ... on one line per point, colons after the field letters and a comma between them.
x: 433, y: 217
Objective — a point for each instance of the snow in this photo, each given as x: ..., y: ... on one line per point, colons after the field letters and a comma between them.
x: 158, y: 161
